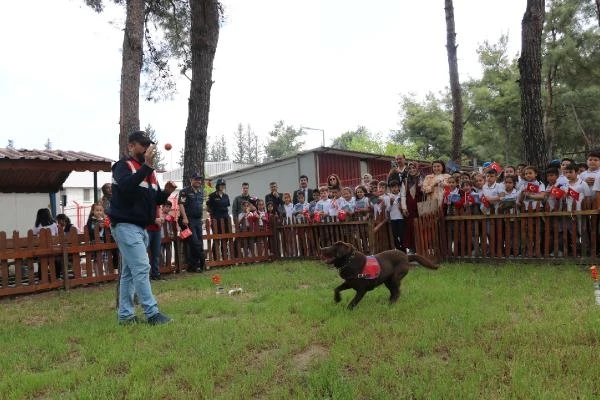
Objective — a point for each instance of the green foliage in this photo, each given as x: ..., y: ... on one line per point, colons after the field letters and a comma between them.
x: 218, y: 150
x: 283, y: 141
x: 427, y: 125
x: 493, y: 104
x: 464, y: 331
x: 246, y: 145
x: 166, y: 36
x: 571, y: 59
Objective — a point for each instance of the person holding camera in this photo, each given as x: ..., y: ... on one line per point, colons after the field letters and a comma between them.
x: 399, y: 171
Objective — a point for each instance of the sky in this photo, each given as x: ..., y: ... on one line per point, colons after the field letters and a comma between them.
x: 327, y: 64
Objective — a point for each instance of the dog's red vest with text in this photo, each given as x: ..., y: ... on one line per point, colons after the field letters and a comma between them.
x: 371, y: 269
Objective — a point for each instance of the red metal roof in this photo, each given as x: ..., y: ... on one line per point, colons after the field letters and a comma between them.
x: 44, y: 171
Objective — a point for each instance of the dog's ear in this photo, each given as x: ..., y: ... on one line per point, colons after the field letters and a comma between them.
x: 343, y: 249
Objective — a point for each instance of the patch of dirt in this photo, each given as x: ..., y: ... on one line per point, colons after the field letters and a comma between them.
x: 34, y: 320
x: 315, y: 352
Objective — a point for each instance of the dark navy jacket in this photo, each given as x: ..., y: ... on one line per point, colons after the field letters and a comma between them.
x: 135, y: 195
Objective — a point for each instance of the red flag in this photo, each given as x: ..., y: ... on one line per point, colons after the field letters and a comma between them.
x: 469, y: 200
x: 557, y: 193
x: 574, y: 194
x: 496, y: 167
x: 317, y: 217
x: 533, y: 188
x: 459, y: 203
x: 485, y: 201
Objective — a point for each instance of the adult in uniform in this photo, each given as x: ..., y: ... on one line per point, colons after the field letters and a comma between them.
x: 191, y: 203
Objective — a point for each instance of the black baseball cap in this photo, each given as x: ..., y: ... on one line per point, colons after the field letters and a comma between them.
x: 141, y: 137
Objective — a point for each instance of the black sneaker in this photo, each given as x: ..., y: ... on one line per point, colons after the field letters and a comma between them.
x: 159, y: 319
x: 130, y: 321
x: 157, y: 278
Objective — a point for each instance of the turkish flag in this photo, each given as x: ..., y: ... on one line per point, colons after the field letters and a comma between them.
x: 485, y: 201
x: 574, y: 194
x: 496, y: 167
x: 557, y: 193
x: 533, y: 188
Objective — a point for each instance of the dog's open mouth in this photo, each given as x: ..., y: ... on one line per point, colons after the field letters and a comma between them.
x: 327, y: 259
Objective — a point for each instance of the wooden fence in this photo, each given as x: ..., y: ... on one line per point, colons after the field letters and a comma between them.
x: 33, y: 264
x: 528, y: 235
x: 37, y: 263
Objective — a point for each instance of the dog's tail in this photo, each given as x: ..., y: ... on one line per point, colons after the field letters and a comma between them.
x: 422, y: 260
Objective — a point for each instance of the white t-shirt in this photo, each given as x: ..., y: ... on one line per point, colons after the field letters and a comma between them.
x: 576, y: 192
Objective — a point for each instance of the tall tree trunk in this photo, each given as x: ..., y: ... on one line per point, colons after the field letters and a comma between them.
x: 598, y: 11
x: 133, y: 47
x: 530, y: 68
x: 205, y: 16
x: 457, y: 104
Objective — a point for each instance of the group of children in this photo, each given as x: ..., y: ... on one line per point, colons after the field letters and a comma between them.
x: 565, y: 188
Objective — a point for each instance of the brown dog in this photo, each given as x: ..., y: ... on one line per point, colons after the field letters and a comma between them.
x: 363, y: 273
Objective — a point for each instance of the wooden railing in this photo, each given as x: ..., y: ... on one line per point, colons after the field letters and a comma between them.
x: 37, y: 263
x: 523, y: 234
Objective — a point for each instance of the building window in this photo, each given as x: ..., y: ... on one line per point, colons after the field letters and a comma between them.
x: 87, y: 194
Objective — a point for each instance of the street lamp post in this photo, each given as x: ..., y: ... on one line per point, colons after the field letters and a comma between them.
x: 316, y: 129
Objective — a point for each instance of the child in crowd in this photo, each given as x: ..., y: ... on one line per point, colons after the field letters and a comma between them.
x: 532, y: 190
x: 324, y: 203
x: 43, y: 220
x: 362, y: 206
x: 334, y: 195
x: 247, y: 218
x: 288, y: 207
x: 478, y: 182
x: 451, y: 194
x: 469, y: 197
x: 346, y: 201
x: 270, y: 215
x: 510, y: 196
x: 96, y: 219
x: 313, y: 203
x: 397, y: 210
x: 577, y: 191
x: 554, y: 189
x: 261, y: 211
x: 490, y: 192
x: 300, y: 208
x: 381, y: 202
x: 593, y: 169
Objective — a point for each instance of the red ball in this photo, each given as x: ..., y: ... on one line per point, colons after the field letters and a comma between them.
x: 168, y: 146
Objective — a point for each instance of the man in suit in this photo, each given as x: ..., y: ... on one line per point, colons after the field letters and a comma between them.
x: 303, y: 188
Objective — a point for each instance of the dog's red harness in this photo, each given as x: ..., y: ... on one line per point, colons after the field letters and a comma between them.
x: 371, y: 269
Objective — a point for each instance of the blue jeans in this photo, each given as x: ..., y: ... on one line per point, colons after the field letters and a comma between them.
x: 133, y: 242
x: 154, y: 247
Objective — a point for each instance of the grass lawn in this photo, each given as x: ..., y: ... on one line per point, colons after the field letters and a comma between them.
x: 466, y: 331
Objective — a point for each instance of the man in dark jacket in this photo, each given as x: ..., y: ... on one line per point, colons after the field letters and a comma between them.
x: 135, y: 195
x: 191, y: 205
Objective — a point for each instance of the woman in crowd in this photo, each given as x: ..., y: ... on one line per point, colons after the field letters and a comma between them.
x: 334, y: 182
x: 433, y: 185
x: 414, y: 194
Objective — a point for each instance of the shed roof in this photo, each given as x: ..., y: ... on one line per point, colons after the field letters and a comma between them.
x: 44, y: 171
